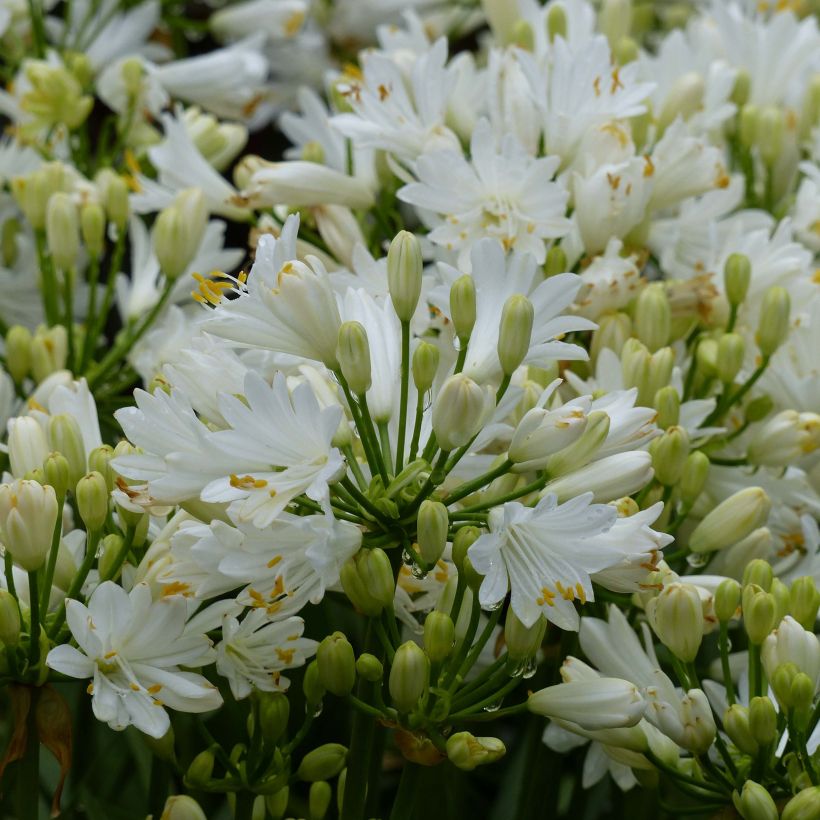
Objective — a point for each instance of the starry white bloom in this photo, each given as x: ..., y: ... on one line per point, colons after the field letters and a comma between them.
x: 278, y: 19
x: 255, y: 651
x: 502, y: 193
x: 132, y: 648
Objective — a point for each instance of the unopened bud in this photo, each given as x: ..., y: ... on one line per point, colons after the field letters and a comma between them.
x: 463, y: 307
x: 337, y: 664
x: 653, y: 316
x: 273, y: 712
x: 49, y: 351
x: 684, y: 99
x: 758, y: 572
x: 57, y: 473
x: 523, y: 642
x: 439, y: 635
x: 677, y: 617
x: 178, y: 231
x: 583, y: 449
x: 200, y: 770
x: 732, y: 520
x: 736, y: 723
x: 742, y: 86
x: 376, y: 572
x: 465, y: 751
x: 556, y: 22
x: 319, y: 799
x: 613, y: 331
x: 62, y: 230
x: 755, y: 803
x: 9, y: 619
x: 182, y: 807
x: 404, y: 266
x: 312, y: 686
x: 431, y: 530
x: 730, y: 352
x: 805, y: 805
x: 523, y: 36
x: 353, y: 354
x: 28, y: 515
x: 464, y: 538
x: 515, y: 332
x: 669, y: 454
x: 762, y: 720
x: 92, y: 501
x: 369, y: 667
x: 99, y: 459
x: 460, y: 411
x: 92, y: 227
x: 115, y: 197
x: 780, y: 593
x: 18, y: 352
x: 667, y: 403
x: 727, y: 599
x: 758, y: 613
x: 110, y: 555
x: 769, y: 133
x: 65, y: 437
x: 322, y: 763
x: 737, y: 275
x: 408, y: 676
x: 556, y: 261
x: 773, y: 327
x: 781, y: 682
x: 425, y: 366
x: 804, y: 600
x: 758, y: 408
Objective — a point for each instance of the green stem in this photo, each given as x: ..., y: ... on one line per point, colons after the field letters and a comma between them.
x: 723, y: 642
x: 48, y: 578
x: 353, y: 463
x: 725, y: 403
x: 755, y: 672
x: 367, y: 421
x: 414, y: 444
x: 488, y: 701
x: 34, y: 634
x: 93, y: 280
x: 68, y: 307
x: 28, y: 782
x: 79, y: 579
x: 477, y: 483
x: 384, y: 440
x: 48, y: 281
x: 405, y: 384
x: 404, y: 803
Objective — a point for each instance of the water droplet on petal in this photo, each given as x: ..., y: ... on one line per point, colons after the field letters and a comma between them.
x: 494, y: 707
x: 697, y: 559
x: 493, y: 607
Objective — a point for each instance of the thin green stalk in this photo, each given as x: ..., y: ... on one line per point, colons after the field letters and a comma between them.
x: 485, y: 636
x: 68, y: 308
x: 48, y: 281
x: 477, y: 483
x: 79, y: 580
x: 384, y: 440
x: 727, y: 401
x: 723, y: 643
x: 454, y: 664
x: 414, y: 443
x: 34, y: 634
x: 405, y: 386
x: 755, y: 672
x: 353, y: 463
x: 48, y: 577
x: 9, y: 573
x: 495, y: 697
x: 364, y: 501
x: 367, y: 420
x: 93, y: 280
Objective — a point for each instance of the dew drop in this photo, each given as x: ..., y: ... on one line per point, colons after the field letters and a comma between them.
x: 697, y: 559
x: 317, y: 710
x: 493, y: 607
x: 494, y: 707
x: 418, y: 572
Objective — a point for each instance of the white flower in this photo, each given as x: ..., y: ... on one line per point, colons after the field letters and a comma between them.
x: 279, y: 19
x: 253, y: 653
x: 790, y: 643
x: 506, y: 194
x: 133, y: 648
x: 610, y: 282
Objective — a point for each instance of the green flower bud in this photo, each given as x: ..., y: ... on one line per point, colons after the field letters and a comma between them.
x: 92, y: 496
x: 754, y: 802
x: 653, y: 316
x: 515, y: 332
x: 635, y: 360
x: 277, y: 803
x: 804, y: 601
x: 312, y: 686
x: 523, y: 36
x: 322, y: 763
x: 465, y: 751
x: 667, y: 403
x: 182, y: 807
x: 758, y: 613
x: 727, y: 599
x: 780, y: 593
x: 49, y: 351
x: 178, y: 231
x: 273, y: 712
x: 115, y: 197
x: 460, y: 411
x: 669, y: 454
x: 18, y: 352
x: 660, y: 373
x: 377, y: 574
x: 743, y: 84
x: 555, y: 263
x: 9, y: 619
x: 473, y: 577
x: 57, y: 473
x: 62, y: 230
x: 706, y: 357
x: 762, y: 720
x: 773, y: 327
x: 810, y: 115
x: 439, y: 635
x: 163, y: 747
x: 319, y: 799
x: 556, y: 24
x: 369, y: 667
x: 425, y: 366
x: 758, y: 408
x: 99, y: 459
x: 356, y: 590
x: 464, y: 538
x: 584, y: 448
x: 404, y: 266
x: 731, y: 521
x: 695, y: 472
x: 781, y: 683
x: 730, y: 351
x: 805, y: 805
x: 758, y: 572
x: 111, y: 555
x: 613, y: 331
x: 31, y: 193
x: 353, y: 354
x: 408, y: 676
x: 683, y: 100
x: 736, y: 724
x: 677, y: 618
x: 802, y: 697
x: 769, y: 132
x: 626, y: 51
x: 200, y: 770
x: 337, y: 664
x: 28, y: 516
x: 431, y: 530
x: 92, y: 227
x: 523, y: 642
x: 65, y: 436
x: 737, y: 275
x: 462, y: 307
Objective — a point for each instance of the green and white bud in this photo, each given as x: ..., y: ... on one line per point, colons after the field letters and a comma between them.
x: 110, y: 555
x: 182, y: 807
x: 31, y: 193
x: 99, y: 459
x: 780, y: 592
x: 727, y: 599
x: 114, y: 196
x: 201, y: 770
x: 556, y: 261
x: 613, y: 331
x: 376, y: 573
x: 742, y: 87
x: 770, y: 131
x: 312, y: 687
x: 28, y: 515
x: 523, y: 35
x: 790, y: 643
x: 356, y: 589
x: 626, y: 51
x: 515, y: 332
x: 464, y: 538
x: 684, y: 99
x: 523, y: 642
x: 785, y: 438
x: 49, y: 351
x: 731, y: 521
x: 676, y: 615
x: 460, y: 410
x: 431, y: 530
x: 9, y: 619
x: 65, y: 437
x: 337, y: 664
x: 804, y: 601
x: 353, y: 354
x: 27, y: 445
x: 18, y: 352
x: 178, y: 231
x: 409, y: 676
x: 322, y: 763
x: 319, y: 799
x: 730, y: 352
x: 653, y: 316
x: 773, y: 327
x: 92, y: 501
x: 736, y: 724
x: 781, y: 682
x: 758, y: 408
x: 92, y: 227
x: 755, y: 803
x: 805, y: 805
x: 425, y: 366
x: 584, y: 448
x: 542, y: 433
x: 758, y: 613
x: 273, y: 712
x: 404, y: 267
x: 802, y: 698
x: 463, y: 307
x: 439, y: 635
x: 667, y: 403
x: 763, y: 721
x: 693, y: 479
x: 706, y: 358
x: 58, y: 473
x: 669, y: 454
x: 758, y: 572
x: 62, y: 230
x: 737, y: 275
x: 660, y: 373
x: 556, y: 25
x: 465, y: 751
x: 369, y: 667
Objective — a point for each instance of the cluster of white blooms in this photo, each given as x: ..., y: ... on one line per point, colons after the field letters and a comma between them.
x: 512, y: 358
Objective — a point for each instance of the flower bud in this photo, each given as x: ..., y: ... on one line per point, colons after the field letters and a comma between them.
x: 9, y: 619
x: 322, y: 763
x: 49, y: 351
x: 439, y: 635
x: 404, y: 266
x: 758, y: 613
x: 178, y: 231
x: 200, y: 770
x: 182, y: 807
x: 742, y: 87
x: 785, y: 438
x: 18, y: 352
x: 62, y: 230
x: 608, y: 479
x: 57, y: 474
x: 758, y: 408
x: 584, y: 448
x: 425, y: 366
x: 747, y: 127
x: 804, y: 601
x: 667, y: 403
x: 337, y: 664
x: 463, y: 307
x: 408, y: 676
x: 613, y: 331
x: 312, y: 686
x: 27, y: 445
x: 523, y: 36
x: 731, y: 521
x: 65, y: 437
x: 369, y: 667
x: 706, y: 358
x: 353, y: 354
x: 693, y: 478
x: 762, y: 720
x: 769, y: 133
x: 780, y: 593
x: 736, y: 723
x: 523, y: 642
x: 758, y: 572
x: 92, y: 501
x: 730, y: 352
x: 377, y: 575
x: 805, y: 805
x: 28, y: 515
x: 727, y: 599
x: 464, y: 538
x: 773, y: 326
x: 356, y: 590
x: 556, y: 24
x: 790, y: 643
x: 92, y: 227
x: 99, y: 459
x: 541, y: 433
x: 669, y: 454
x: 273, y: 712
x: 677, y: 618
x: 32, y: 193
x: 683, y: 100
x: 755, y: 803
x: 465, y: 751
x: 737, y: 275
x: 653, y: 317
x: 319, y: 799
x: 431, y: 530
x: 802, y: 697
x: 515, y: 332
x: 114, y: 196
x: 781, y: 682
x: 110, y: 555
x: 460, y: 411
